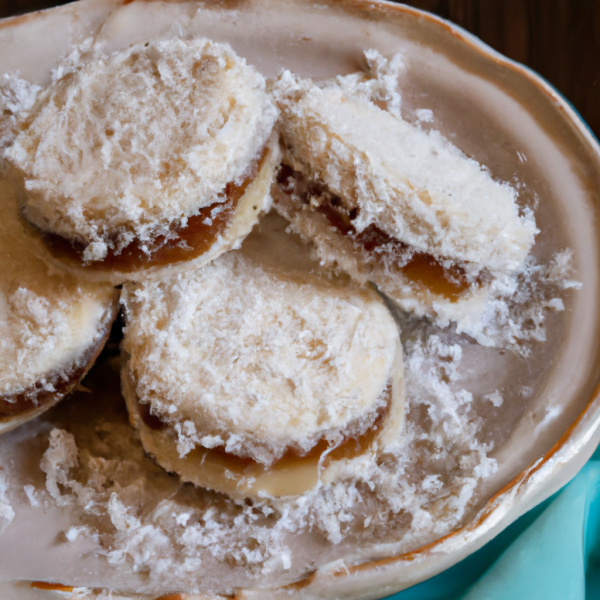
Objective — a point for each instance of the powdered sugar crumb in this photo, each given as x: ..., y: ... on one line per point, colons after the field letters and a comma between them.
x: 57, y: 461
x: 515, y: 314
x: 32, y: 495
x: 495, y: 398
x: 425, y: 115
x: 6, y: 510
x: 73, y: 533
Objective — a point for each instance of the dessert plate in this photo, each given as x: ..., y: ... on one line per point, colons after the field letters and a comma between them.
x: 544, y: 422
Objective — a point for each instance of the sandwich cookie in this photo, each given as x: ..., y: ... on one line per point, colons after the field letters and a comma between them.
x: 259, y: 374
x: 153, y: 160
x: 392, y: 204
x: 52, y: 326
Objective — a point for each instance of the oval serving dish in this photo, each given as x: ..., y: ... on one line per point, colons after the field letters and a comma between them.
x: 496, y: 111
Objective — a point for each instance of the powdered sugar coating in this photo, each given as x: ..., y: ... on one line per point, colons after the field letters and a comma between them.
x: 130, y: 145
x: 256, y: 359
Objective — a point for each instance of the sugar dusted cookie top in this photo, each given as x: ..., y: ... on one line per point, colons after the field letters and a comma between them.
x: 413, y: 185
x: 129, y: 146
x: 259, y: 358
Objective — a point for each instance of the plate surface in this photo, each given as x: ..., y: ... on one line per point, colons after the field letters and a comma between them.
x: 497, y: 112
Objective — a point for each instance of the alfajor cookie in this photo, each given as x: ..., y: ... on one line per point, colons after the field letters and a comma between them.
x: 52, y: 326
x: 259, y: 374
x: 390, y: 203
x: 151, y: 160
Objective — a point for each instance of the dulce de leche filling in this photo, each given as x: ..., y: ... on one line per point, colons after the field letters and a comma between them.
x: 418, y: 267
x: 350, y: 446
x: 51, y: 587
x: 196, y: 238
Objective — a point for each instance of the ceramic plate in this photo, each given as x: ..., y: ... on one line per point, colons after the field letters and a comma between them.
x: 494, y: 110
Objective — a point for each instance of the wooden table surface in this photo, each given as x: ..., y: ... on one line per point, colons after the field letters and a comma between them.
x: 560, y: 39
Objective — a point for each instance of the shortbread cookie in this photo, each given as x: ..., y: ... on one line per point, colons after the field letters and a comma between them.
x: 52, y: 326
x: 258, y: 373
x: 392, y: 204
x: 154, y: 159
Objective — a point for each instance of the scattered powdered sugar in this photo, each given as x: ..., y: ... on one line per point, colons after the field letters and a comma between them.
x: 73, y: 533
x: 32, y: 495
x: 495, y: 398
x: 422, y: 489
x: 425, y: 487
x: 6, y: 511
x: 58, y: 460
x: 515, y: 313
x: 171, y: 538
x: 425, y: 115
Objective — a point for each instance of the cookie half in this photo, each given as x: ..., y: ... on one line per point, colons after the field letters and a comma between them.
x: 52, y: 326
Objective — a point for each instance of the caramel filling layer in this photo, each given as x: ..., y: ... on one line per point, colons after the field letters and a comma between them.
x: 350, y: 447
x: 51, y: 587
x: 196, y: 238
x: 418, y: 267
